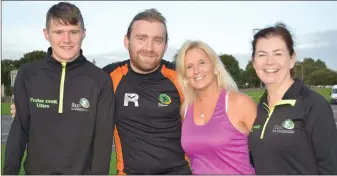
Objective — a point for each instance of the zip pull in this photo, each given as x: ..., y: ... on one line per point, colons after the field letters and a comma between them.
x: 291, y: 102
x: 62, y: 87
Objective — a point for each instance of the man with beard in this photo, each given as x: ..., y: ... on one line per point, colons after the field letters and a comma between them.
x: 148, y: 99
x: 148, y: 121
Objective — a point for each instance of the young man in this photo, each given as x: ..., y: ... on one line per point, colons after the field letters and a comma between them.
x: 148, y: 121
x: 148, y: 99
x: 64, y: 106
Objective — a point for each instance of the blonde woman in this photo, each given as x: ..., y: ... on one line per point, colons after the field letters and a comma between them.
x: 217, y: 118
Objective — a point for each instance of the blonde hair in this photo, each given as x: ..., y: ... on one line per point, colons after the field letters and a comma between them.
x: 224, y: 79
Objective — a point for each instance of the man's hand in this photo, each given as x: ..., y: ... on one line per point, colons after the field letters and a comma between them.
x: 13, y: 110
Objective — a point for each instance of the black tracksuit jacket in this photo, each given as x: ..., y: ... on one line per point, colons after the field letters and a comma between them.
x: 297, y: 136
x: 64, y: 117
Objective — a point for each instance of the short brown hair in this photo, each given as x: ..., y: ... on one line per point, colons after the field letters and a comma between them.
x: 148, y: 15
x: 66, y: 13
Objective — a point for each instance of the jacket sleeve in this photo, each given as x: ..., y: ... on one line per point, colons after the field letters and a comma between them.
x: 322, y: 129
x: 19, y: 131
x: 104, y: 126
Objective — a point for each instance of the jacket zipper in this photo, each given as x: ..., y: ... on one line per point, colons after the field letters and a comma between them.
x: 271, y: 110
x: 62, y: 87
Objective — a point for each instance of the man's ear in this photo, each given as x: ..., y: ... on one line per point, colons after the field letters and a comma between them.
x: 126, y: 42
x: 46, y: 35
x: 84, y: 33
x: 166, y: 45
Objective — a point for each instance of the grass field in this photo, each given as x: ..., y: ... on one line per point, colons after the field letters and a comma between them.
x: 255, y: 95
x: 325, y: 92
x: 5, y: 109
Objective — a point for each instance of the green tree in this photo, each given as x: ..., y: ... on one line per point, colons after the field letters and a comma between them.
x: 8, y: 91
x: 6, y: 66
x: 323, y: 76
x: 249, y: 76
x: 298, y: 70
x: 232, y: 66
x: 241, y: 82
x: 309, y: 66
x: 31, y: 56
x: 319, y: 64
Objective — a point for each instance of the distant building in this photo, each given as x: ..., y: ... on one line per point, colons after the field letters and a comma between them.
x: 2, y: 90
x: 13, y: 76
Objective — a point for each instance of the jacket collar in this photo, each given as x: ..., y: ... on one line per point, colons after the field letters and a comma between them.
x: 70, y: 65
x: 292, y: 93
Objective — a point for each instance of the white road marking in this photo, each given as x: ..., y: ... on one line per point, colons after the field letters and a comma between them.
x: 3, y: 134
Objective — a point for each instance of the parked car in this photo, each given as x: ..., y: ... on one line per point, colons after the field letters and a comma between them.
x: 333, y: 94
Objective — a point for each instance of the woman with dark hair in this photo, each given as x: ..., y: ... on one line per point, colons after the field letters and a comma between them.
x: 294, y: 131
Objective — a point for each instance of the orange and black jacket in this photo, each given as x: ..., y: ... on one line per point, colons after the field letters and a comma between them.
x: 148, y: 121
x: 297, y: 136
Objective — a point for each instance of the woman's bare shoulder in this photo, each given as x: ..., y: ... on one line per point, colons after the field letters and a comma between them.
x: 240, y: 99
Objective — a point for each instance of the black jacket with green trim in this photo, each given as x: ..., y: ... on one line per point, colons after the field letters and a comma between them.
x: 296, y: 136
x: 64, y: 116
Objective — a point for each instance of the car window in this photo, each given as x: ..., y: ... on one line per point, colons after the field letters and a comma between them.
x: 334, y: 90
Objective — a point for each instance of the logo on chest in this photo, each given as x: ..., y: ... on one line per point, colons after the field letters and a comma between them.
x: 286, y: 127
x: 131, y: 98
x: 43, y: 103
x: 81, y: 106
x: 164, y: 100
x: 255, y: 127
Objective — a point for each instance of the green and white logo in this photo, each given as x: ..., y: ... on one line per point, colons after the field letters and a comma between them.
x: 84, y: 103
x: 288, y: 124
x: 256, y: 126
x: 165, y: 99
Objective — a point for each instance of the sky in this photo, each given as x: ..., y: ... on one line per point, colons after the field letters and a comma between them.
x: 226, y: 26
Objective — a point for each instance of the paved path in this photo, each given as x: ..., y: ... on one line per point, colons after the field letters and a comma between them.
x: 334, y: 109
x: 6, y: 122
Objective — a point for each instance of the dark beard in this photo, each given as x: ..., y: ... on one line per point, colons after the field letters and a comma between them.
x: 144, y: 69
x: 136, y: 61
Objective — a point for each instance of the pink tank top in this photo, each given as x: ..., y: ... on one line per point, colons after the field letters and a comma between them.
x: 216, y: 147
